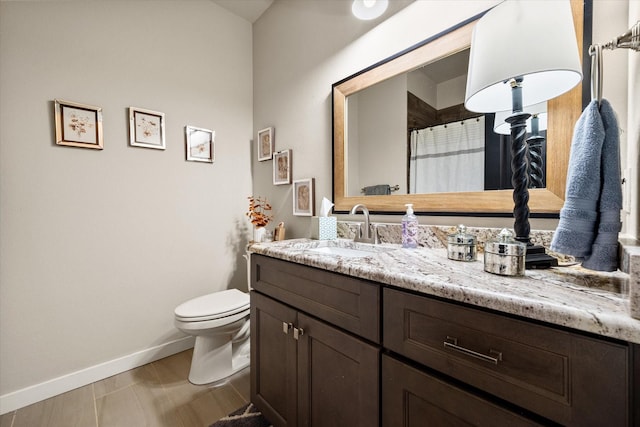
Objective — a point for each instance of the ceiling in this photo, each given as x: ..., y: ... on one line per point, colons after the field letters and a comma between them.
x: 447, y: 68
x: 247, y: 9
x: 251, y: 10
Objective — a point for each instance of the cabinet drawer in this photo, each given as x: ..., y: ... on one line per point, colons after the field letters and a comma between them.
x: 566, y: 377
x: 412, y: 398
x: 349, y: 303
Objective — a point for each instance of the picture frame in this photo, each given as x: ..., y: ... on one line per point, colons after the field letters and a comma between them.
x: 78, y: 125
x: 265, y: 144
x: 146, y: 128
x: 200, y: 144
x: 303, y: 197
x: 282, y: 167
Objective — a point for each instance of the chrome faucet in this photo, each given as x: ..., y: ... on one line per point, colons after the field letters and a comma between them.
x: 367, y: 235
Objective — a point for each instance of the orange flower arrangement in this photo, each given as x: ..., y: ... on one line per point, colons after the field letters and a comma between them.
x: 258, y: 211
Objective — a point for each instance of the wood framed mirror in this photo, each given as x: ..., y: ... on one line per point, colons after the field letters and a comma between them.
x: 563, y: 112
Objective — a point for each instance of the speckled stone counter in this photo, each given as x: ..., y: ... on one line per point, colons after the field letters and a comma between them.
x: 567, y: 296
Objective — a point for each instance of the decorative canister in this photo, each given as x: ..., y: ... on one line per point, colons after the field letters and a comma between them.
x: 505, y: 256
x: 461, y: 246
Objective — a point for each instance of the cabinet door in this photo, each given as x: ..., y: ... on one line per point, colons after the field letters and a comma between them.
x: 273, y: 360
x: 412, y: 398
x: 337, y: 377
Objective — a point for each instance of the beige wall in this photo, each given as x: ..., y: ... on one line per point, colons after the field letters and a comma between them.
x: 380, y: 116
x: 295, y: 70
x: 300, y: 49
x: 98, y: 247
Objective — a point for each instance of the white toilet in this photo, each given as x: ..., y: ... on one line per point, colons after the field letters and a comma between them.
x: 220, y: 323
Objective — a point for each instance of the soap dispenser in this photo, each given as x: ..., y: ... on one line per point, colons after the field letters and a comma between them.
x: 409, y: 228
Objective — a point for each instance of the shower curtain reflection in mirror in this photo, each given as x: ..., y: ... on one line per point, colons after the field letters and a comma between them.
x: 448, y: 158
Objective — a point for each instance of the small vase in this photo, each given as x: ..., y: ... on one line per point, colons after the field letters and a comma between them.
x: 258, y: 234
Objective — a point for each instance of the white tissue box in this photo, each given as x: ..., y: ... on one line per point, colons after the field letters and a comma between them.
x: 324, y: 227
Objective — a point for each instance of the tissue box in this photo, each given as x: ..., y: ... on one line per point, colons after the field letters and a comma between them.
x: 324, y: 227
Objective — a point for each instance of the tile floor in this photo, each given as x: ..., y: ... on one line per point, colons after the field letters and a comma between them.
x: 154, y: 395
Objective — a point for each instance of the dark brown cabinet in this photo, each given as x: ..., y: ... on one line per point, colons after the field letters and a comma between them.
x: 305, y: 371
x: 273, y: 360
x: 568, y: 378
x: 413, y: 398
x: 333, y: 350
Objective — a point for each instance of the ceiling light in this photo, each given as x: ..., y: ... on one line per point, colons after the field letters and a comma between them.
x: 369, y: 9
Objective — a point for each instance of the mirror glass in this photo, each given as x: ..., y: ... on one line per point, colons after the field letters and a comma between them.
x: 411, y: 134
x: 383, y: 114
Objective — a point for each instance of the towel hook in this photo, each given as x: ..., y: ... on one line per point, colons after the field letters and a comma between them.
x: 595, y: 51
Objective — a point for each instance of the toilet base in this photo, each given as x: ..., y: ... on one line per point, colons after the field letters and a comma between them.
x: 218, y: 357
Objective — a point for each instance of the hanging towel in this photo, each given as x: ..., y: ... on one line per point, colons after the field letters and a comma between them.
x: 604, y: 252
x: 376, y: 190
x: 578, y: 217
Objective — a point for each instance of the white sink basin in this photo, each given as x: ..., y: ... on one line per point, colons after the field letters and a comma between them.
x: 356, y: 250
x: 344, y: 252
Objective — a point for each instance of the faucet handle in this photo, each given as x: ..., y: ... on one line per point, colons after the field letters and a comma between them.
x: 376, y: 235
x: 367, y: 236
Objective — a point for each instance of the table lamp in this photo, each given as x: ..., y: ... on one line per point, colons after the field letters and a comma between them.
x: 535, y: 124
x: 523, y: 52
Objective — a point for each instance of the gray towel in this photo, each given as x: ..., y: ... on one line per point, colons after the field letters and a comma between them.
x: 578, y: 217
x: 604, y: 252
x: 377, y: 190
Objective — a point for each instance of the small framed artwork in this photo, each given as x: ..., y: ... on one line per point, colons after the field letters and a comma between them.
x: 282, y: 167
x: 266, y: 143
x: 78, y: 125
x: 303, y: 201
x: 200, y: 144
x: 146, y: 128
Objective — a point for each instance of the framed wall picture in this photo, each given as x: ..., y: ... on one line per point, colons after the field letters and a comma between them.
x: 266, y: 143
x: 303, y: 201
x: 146, y: 128
x: 78, y: 125
x: 282, y: 167
x: 200, y: 144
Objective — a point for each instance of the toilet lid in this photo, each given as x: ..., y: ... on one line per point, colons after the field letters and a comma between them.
x: 211, y: 306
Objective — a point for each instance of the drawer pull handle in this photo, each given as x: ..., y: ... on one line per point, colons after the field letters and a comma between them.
x: 452, y: 343
x: 285, y: 327
x: 297, y: 333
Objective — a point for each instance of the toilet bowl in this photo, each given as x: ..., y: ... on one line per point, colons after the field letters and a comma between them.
x: 220, y: 323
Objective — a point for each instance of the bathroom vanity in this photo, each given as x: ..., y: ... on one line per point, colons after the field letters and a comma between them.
x: 395, y: 337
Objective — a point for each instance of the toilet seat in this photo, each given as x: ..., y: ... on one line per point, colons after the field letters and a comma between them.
x: 213, y: 306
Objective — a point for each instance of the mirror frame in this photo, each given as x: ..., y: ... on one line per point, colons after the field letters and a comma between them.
x: 564, y: 111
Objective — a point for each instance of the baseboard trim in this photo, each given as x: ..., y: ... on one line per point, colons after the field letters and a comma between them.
x: 35, y: 393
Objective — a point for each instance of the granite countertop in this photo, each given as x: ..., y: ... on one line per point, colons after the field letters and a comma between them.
x: 567, y: 296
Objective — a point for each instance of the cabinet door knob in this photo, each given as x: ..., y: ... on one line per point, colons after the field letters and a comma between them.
x: 286, y: 326
x: 297, y: 333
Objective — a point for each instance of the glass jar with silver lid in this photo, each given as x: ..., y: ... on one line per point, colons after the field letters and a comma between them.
x: 461, y: 246
x: 505, y: 256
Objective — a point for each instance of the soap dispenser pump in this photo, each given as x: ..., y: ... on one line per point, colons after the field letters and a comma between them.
x: 409, y: 228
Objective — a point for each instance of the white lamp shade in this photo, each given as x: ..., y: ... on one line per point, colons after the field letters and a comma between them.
x: 368, y: 9
x: 502, y: 127
x: 532, y: 39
